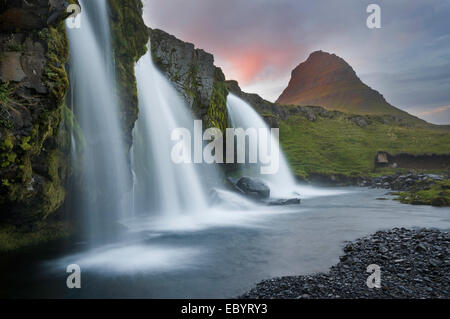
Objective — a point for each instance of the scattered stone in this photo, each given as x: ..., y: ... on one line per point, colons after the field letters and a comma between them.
x: 409, y: 270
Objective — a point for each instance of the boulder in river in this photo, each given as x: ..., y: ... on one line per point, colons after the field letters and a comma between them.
x: 253, y: 187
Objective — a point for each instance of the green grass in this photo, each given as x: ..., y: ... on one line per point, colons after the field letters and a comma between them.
x: 437, y: 195
x: 338, y: 146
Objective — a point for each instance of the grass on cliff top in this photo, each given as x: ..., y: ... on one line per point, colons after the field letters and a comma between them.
x: 339, y: 146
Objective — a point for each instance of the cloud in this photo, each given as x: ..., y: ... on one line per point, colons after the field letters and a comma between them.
x: 259, y: 42
x: 435, y: 110
x: 436, y: 115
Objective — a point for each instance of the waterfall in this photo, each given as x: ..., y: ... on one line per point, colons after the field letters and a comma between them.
x: 162, y: 187
x: 104, y: 165
x: 242, y: 115
x: 282, y: 184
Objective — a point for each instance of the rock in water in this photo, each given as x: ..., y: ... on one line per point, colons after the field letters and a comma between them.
x: 284, y: 202
x: 253, y: 187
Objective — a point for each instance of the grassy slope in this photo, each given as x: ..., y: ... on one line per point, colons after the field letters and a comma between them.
x: 339, y: 146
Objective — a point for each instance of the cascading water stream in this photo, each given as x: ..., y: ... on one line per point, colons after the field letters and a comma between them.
x: 242, y: 115
x: 162, y: 186
x: 103, y: 159
x: 159, y: 188
x: 165, y: 197
x: 282, y: 184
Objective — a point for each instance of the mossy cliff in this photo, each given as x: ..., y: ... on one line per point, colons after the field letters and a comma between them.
x: 194, y: 75
x: 129, y: 42
x: 33, y: 86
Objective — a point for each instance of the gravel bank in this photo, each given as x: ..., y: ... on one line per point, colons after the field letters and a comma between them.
x: 414, y: 264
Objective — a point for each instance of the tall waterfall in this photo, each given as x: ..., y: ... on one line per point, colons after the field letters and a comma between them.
x: 242, y: 115
x: 161, y: 186
x: 105, y: 172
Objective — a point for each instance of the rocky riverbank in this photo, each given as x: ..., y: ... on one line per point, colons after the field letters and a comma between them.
x: 414, y: 264
x: 415, y: 189
x: 403, y: 182
x: 410, y: 188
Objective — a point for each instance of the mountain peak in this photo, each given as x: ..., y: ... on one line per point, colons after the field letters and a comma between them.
x: 327, y: 80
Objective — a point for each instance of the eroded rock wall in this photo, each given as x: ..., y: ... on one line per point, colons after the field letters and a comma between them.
x: 194, y: 75
x: 33, y: 86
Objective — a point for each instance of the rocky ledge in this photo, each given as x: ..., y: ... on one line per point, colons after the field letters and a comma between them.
x: 414, y: 264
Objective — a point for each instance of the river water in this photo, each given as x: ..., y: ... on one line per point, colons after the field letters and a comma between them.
x: 219, y: 257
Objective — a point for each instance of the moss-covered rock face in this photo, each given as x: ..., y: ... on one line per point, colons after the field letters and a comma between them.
x: 129, y: 41
x: 33, y: 85
x: 194, y: 75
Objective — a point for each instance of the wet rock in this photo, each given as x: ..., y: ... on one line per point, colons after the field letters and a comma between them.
x: 253, y: 187
x: 284, y: 202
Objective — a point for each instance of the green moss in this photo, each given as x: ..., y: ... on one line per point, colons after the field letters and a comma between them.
x: 129, y: 41
x: 69, y: 125
x: 191, y: 84
x: 13, y: 237
x: 17, y: 151
x: 53, y: 190
x: 25, y: 143
x: 7, y: 143
x: 55, y: 76
x: 217, y: 115
x: 436, y: 195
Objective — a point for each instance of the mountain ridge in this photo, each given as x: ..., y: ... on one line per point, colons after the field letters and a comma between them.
x: 327, y: 80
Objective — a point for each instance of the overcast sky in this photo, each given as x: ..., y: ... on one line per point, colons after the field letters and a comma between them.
x: 259, y: 42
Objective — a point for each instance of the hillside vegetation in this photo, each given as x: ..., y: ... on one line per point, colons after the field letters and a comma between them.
x: 342, y: 144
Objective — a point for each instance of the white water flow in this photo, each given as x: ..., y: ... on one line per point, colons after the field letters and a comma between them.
x: 105, y: 171
x: 282, y: 184
x: 161, y: 186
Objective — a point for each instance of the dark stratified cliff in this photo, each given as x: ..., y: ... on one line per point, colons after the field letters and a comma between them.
x: 193, y: 73
x: 326, y: 80
x: 33, y: 86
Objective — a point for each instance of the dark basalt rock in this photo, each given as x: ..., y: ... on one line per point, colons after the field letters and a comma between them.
x: 30, y: 15
x: 399, y: 182
x: 414, y: 264
x: 253, y: 187
x: 284, y: 202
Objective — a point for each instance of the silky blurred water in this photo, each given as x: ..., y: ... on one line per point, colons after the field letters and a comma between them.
x: 219, y: 258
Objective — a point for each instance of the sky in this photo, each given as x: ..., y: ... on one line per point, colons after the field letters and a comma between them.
x: 259, y: 42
